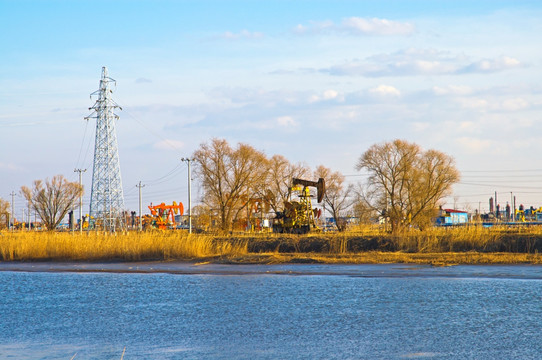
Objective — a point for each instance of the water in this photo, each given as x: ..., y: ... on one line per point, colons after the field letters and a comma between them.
x: 271, y: 312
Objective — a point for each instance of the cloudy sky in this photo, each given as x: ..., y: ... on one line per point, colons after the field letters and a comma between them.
x: 316, y: 81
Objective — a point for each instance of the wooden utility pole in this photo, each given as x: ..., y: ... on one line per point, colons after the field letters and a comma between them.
x: 188, y: 160
x: 12, y: 223
x: 80, y: 171
x: 140, y: 227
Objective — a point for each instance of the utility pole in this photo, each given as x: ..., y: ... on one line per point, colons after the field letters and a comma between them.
x: 496, y: 207
x: 12, y: 212
x: 188, y: 160
x: 512, y: 206
x: 140, y: 222
x: 29, y: 217
x: 515, y: 218
x: 80, y: 171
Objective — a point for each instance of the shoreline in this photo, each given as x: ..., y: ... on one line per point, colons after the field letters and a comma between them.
x: 438, y: 248
x: 207, y: 268
x: 271, y: 259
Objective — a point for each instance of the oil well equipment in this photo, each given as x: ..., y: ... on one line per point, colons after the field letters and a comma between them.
x: 299, y: 217
x: 163, y: 216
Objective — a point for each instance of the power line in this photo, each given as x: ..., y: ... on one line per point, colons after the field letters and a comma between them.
x: 166, y: 176
x: 502, y: 170
x: 82, y: 144
x: 502, y: 176
x: 499, y: 185
x: 151, y: 131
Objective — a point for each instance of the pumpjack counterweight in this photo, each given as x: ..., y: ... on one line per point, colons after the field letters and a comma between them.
x: 107, y: 200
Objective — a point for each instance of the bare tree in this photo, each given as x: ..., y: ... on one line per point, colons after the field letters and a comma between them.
x: 202, y: 217
x: 4, y: 213
x: 52, y: 199
x: 337, y: 195
x: 406, y: 182
x: 281, y: 173
x: 229, y: 177
x: 362, y: 209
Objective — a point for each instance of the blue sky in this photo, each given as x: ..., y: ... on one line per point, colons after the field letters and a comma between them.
x: 315, y: 81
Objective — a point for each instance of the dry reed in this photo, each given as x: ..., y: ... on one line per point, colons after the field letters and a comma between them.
x: 376, y: 257
x: 368, y: 244
x: 523, y: 239
x: 91, y: 246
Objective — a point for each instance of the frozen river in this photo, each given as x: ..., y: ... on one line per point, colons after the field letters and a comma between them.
x: 186, y: 311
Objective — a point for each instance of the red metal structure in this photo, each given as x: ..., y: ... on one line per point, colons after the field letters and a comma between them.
x: 163, y: 216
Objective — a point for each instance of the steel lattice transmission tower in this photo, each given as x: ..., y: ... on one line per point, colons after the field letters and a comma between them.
x: 106, y: 200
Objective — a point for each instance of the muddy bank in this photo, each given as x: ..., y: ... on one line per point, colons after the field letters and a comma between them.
x: 526, y: 271
x: 312, y: 244
x: 336, y: 244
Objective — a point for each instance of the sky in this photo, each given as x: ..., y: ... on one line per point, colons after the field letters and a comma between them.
x: 317, y: 81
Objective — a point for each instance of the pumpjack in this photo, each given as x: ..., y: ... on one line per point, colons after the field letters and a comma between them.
x: 299, y: 217
x: 163, y: 216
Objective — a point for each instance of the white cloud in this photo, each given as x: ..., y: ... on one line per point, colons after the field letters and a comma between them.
x: 474, y: 103
x: 357, y: 26
x: 401, y: 63
x: 491, y: 65
x: 10, y: 167
x: 326, y: 95
x: 375, y: 26
x: 494, y: 104
x: 466, y: 126
x: 314, y: 98
x: 168, y: 144
x: 514, y: 104
x: 301, y: 29
x: 412, y: 53
x: 452, y: 90
x: 474, y: 144
x: 270, y: 98
x: 330, y: 94
x: 385, y: 90
x: 286, y: 121
x: 412, y: 62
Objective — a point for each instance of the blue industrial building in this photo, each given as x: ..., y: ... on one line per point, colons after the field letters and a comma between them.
x: 449, y: 217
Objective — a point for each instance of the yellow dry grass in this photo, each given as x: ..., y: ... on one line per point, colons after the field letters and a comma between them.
x: 458, y: 239
x: 376, y: 257
x: 437, y: 246
x: 93, y: 246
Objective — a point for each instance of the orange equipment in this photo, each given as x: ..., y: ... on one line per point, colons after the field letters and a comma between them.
x: 163, y: 216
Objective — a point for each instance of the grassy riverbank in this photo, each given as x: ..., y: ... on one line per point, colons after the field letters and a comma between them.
x: 133, y: 246
x: 367, y: 245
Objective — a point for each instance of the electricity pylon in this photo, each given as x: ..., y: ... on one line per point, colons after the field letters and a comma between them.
x: 107, y: 199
